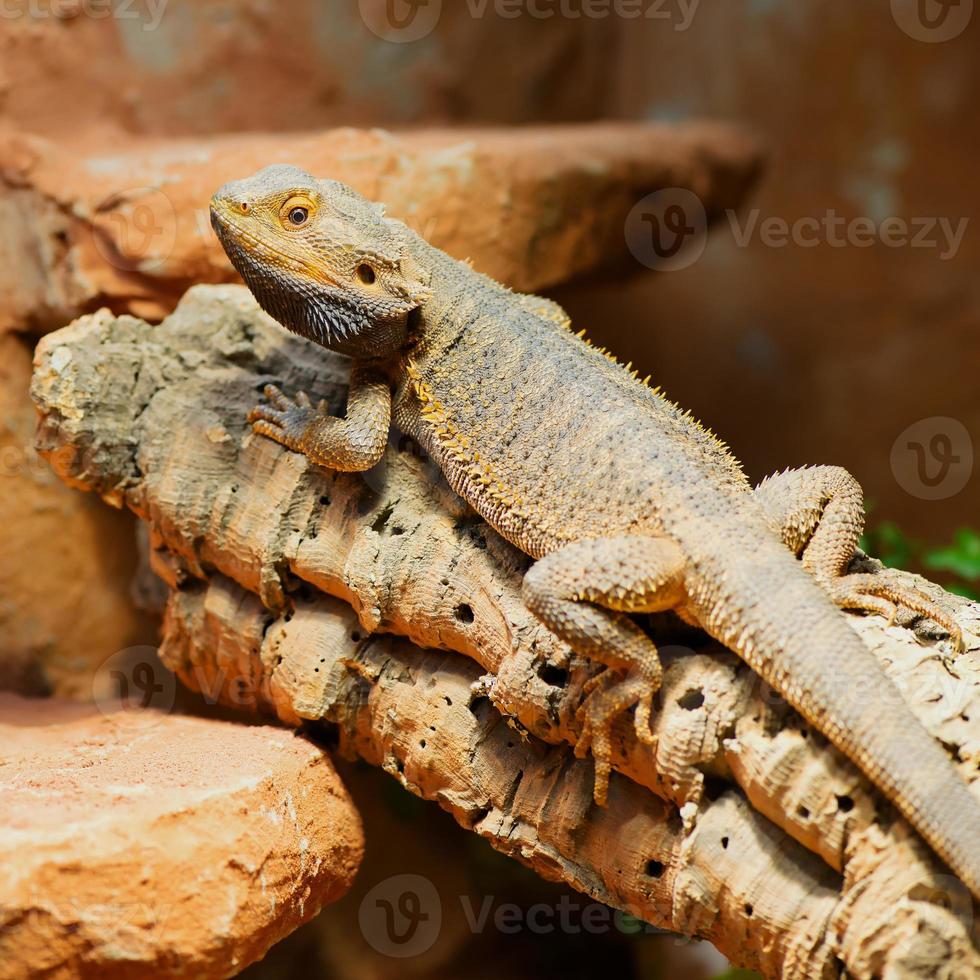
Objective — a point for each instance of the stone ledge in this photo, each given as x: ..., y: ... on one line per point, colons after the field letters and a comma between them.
x: 531, y: 207
x: 139, y: 843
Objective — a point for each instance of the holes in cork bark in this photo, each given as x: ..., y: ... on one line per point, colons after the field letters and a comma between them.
x: 382, y: 519
x: 691, y: 700
x: 553, y: 676
x: 845, y: 804
x: 479, y: 707
x: 464, y: 613
x: 654, y: 868
x: 714, y: 787
x: 724, y: 843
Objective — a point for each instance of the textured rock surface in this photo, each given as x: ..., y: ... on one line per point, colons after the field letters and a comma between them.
x: 65, y: 561
x: 137, y: 843
x: 832, y: 875
x: 530, y: 207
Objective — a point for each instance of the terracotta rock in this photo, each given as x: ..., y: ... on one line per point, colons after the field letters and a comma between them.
x: 533, y: 207
x: 66, y: 561
x: 197, y: 67
x: 136, y: 842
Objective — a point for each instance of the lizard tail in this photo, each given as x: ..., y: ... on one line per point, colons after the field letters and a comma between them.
x: 791, y: 634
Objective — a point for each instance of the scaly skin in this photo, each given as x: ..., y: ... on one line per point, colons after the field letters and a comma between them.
x: 628, y: 504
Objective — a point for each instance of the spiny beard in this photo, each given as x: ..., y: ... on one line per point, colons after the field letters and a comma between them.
x: 324, y: 316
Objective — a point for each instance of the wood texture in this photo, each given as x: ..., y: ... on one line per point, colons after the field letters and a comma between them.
x: 311, y: 595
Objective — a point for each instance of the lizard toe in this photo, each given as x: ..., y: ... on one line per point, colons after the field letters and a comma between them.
x: 266, y: 413
x: 881, y: 594
x: 275, y: 396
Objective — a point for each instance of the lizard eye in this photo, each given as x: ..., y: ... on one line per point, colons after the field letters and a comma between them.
x: 366, y: 273
x: 295, y: 212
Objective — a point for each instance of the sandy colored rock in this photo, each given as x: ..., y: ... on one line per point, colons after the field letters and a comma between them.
x: 66, y: 562
x: 129, y: 228
x: 139, y: 843
x: 740, y: 825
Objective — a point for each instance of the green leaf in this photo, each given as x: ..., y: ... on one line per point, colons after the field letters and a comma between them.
x: 962, y: 558
x: 888, y: 543
x: 958, y: 588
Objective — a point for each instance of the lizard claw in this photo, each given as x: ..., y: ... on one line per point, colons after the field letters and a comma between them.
x: 882, y: 594
x: 283, y: 419
x: 608, y: 695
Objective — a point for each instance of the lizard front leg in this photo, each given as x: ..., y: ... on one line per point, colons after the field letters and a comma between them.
x: 583, y: 593
x: 818, y: 512
x: 351, y: 444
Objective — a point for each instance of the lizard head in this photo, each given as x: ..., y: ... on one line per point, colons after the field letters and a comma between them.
x: 321, y: 259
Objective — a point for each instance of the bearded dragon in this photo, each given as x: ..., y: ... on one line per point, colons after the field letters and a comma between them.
x: 626, y: 503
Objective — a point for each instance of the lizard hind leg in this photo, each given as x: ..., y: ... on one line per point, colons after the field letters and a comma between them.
x: 583, y: 593
x: 818, y: 512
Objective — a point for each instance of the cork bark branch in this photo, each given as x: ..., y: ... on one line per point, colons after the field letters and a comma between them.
x: 381, y: 606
